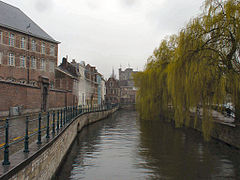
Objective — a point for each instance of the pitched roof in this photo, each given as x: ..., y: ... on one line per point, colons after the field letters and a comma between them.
x: 13, y: 18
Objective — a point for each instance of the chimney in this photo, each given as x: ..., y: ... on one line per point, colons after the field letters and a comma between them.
x: 64, y: 61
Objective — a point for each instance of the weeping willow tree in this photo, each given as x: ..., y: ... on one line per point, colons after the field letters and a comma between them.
x: 196, y: 69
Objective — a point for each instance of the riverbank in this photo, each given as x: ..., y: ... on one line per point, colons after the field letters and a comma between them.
x: 43, y: 159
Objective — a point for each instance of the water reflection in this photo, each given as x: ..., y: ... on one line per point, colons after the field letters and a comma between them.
x: 182, y: 154
x: 122, y: 147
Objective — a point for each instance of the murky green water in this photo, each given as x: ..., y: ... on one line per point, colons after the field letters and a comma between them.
x: 121, y: 147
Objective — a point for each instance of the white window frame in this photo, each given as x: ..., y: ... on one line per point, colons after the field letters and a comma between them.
x: 33, y: 62
x: 23, y: 61
x: 23, y: 43
x: 11, y: 59
x: 34, y: 45
x: 51, y: 66
x: 42, y: 64
x: 52, y: 50
x: 43, y: 48
x: 11, y: 39
x: 1, y: 37
x: 1, y: 57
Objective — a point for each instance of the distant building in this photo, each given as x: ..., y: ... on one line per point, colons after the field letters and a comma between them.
x: 92, y: 84
x: 82, y: 91
x: 112, y: 91
x: 103, y: 90
x: 126, y: 84
x: 67, y: 78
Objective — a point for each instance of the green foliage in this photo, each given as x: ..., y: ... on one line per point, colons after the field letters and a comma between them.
x: 195, y: 69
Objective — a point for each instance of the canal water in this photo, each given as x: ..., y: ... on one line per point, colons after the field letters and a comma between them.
x: 122, y: 147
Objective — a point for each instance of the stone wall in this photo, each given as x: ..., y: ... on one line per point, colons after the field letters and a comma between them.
x: 45, y: 162
x: 29, y: 98
x: 227, y: 133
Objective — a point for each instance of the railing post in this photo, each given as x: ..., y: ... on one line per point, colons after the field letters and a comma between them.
x: 53, y: 124
x: 76, y: 110
x: 47, y: 131
x: 61, y: 124
x: 67, y: 114
x: 26, y: 150
x: 57, y: 121
x: 64, y: 116
x: 39, y: 128
x: 6, y: 151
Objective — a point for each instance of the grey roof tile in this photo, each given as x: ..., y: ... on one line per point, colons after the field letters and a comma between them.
x: 13, y: 18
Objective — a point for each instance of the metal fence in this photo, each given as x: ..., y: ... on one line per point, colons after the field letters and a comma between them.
x: 32, y: 128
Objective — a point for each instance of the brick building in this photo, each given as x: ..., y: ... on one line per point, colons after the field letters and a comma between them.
x: 67, y: 78
x: 91, y: 84
x: 126, y: 83
x: 112, y: 91
x: 28, y: 57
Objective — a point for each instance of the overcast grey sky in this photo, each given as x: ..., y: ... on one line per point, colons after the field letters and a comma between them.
x: 107, y: 33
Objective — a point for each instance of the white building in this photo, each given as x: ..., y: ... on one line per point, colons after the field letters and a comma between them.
x: 103, y: 89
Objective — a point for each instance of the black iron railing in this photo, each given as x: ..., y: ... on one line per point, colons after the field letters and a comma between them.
x: 51, y: 122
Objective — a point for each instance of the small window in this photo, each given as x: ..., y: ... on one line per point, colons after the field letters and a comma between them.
x: 51, y: 66
x: 22, y: 61
x: 11, y: 59
x: 1, y: 36
x: 51, y: 85
x: 42, y: 64
x: 52, y: 50
x: 33, y: 62
x: 1, y: 57
x: 34, y: 46
x: 23, y: 45
x: 11, y: 39
x: 43, y: 48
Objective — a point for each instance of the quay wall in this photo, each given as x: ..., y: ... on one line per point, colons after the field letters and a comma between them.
x: 43, y: 164
x: 227, y: 133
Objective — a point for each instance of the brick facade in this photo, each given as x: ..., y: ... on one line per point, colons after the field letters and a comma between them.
x: 28, y: 57
x: 112, y: 91
x: 25, y: 73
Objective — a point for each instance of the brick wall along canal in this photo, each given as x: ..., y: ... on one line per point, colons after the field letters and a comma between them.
x: 121, y: 147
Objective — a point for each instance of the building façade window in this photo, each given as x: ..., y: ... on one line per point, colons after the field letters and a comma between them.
x: 52, y: 50
x: 42, y: 64
x: 43, y: 48
x: 34, y: 45
x: 51, y: 66
x: 11, y: 59
x: 1, y: 37
x: 1, y: 57
x: 22, y: 61
x: 11, y: 39
x: 33, y: 63
x: 23, y: 43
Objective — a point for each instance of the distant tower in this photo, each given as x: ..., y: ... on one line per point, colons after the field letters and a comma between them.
x: 113, y: 75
